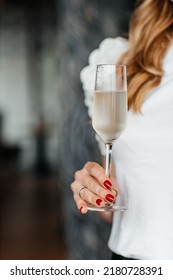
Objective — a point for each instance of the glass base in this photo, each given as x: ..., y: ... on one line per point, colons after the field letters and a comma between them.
x: 107, y: 208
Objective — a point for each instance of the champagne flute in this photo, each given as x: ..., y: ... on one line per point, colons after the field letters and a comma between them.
x: 109, y: 113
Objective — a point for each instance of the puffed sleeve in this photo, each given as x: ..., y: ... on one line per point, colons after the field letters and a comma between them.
x: 109, y: 52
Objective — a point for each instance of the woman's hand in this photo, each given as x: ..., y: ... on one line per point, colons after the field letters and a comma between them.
x: 92, y: 186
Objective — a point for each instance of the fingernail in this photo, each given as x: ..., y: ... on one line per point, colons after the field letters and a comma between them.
x: 110, y: 197
x: 98, y: 201
x: 81, y: 209
x: 107, y: 184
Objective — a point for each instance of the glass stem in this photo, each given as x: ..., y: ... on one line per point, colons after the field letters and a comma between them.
x: 108, y: 158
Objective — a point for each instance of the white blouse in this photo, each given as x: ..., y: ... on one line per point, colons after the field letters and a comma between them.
x: 143, y: 157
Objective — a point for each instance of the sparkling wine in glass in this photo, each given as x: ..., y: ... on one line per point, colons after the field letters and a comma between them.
x: 109, y: 113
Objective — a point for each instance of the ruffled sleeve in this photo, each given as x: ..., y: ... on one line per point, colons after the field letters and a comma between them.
x: 108, y: 52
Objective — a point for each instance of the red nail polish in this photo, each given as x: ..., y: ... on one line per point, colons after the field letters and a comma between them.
x: 81, y: 209
x: 98, y: 201
x: 107, y: 184
x: 110, y: 197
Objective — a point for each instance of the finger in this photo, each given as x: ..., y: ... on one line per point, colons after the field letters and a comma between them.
x: 98, y: 172
x: 94, y: 188
x: 80, y: 174
x: 90, y: 198
x: 77, y: 187
x: 81, y: 204
x: 83, y: 194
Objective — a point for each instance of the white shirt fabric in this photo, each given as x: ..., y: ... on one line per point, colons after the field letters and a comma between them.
x: 143, y: 157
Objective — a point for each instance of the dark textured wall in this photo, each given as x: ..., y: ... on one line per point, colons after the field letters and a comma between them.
x: 82, y: 25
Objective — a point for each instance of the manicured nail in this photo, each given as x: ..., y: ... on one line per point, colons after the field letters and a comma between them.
x: 107, y: 184
x: 98, y: 201
x: 110, y: 197
x: 81, y: 209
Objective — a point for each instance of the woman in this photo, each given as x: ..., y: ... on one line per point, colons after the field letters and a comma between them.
x: 143, y: 155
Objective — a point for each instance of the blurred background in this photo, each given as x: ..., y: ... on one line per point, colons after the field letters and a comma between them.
x: 44, y: 131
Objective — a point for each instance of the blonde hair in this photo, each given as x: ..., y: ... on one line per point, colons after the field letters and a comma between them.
x: 150, y: 35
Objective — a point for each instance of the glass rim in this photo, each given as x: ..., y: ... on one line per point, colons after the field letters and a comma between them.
x: 112, y: 65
